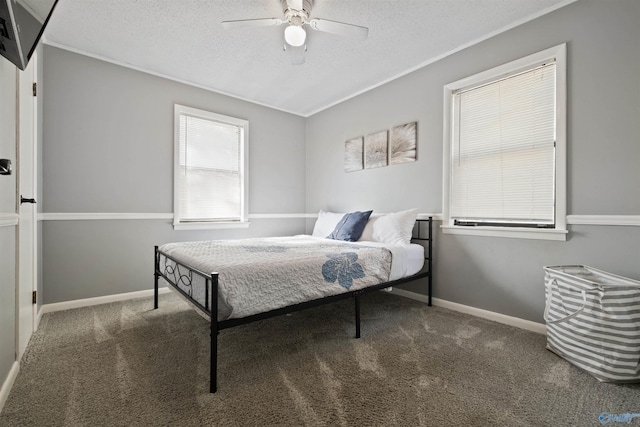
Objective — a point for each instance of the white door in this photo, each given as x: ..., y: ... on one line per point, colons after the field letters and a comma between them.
x: 27, y: 224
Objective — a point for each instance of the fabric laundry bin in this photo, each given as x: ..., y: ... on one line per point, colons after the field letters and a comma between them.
x: 593, y: 321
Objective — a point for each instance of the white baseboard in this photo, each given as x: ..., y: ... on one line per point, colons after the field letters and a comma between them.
x: 86, y: 302
x: 8, y: 383
x: 478, y: 312
x: 38, y: 319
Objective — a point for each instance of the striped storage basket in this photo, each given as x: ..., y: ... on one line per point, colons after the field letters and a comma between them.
x: 593, y: 321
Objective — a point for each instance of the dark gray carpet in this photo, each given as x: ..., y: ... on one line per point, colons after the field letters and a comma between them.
x: 124, y: 364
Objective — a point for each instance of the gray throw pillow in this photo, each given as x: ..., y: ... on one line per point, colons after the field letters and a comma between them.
x: 350, y: 227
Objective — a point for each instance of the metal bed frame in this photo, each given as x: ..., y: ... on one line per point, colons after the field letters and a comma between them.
x: 176, y: 274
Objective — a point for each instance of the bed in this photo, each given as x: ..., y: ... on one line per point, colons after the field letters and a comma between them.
x: 258, y: 278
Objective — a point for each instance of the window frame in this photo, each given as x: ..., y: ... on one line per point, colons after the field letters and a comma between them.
x: 559, y: 232
x: 213, y: 223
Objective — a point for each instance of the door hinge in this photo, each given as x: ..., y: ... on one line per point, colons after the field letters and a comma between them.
x: 35, y: 89
x: 34, y: 297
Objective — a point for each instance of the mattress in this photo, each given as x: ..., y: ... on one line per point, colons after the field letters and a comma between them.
x: 406, y: 260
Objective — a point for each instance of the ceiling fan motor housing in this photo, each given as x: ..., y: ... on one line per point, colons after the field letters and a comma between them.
x: 296, y: 16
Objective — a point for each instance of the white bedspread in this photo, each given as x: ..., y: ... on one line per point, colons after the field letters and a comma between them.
x: 259, y: 275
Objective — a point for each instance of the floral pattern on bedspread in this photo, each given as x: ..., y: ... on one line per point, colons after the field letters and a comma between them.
x: 258, y: 275
x: 342, y: 267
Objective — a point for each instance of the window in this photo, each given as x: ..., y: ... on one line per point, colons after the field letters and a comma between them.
x: 210, y: 164
x: 504, y: 145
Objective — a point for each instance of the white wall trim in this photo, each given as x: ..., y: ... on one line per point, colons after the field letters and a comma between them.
x: 81, y: 216
x: 435, y: 216
x: 223, y: 225
x: 12, y: 219
x: 282, y: 216
x: 528, y: 325
x: 87, y: 302
x: 626, y: 220
x: 8, y: 384
x: 38, y: 318
x: 9, y: 219
x: 509, y: 232
x: 485, y: 314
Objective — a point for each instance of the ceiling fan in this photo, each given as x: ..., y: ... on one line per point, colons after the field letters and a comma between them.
x: 296, y: 16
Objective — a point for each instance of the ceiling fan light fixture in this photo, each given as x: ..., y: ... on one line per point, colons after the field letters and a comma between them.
x: 295, y: 35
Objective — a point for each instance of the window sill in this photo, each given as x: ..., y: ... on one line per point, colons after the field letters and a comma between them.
x: 210, y: 225
x: 515, y: 233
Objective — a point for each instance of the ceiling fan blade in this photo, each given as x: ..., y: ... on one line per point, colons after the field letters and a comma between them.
x: 339, y: 28
x: 297, y: 54
x: 261, y: 22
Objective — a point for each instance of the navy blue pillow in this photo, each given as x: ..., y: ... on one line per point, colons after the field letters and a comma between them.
x: 350, y: 227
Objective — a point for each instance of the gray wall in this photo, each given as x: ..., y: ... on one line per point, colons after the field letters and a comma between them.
x: 108, y: 148
x: 500, y: 274
x: 7, y: 207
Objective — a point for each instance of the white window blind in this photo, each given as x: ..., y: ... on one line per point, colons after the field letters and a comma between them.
x: 209, y: 169
x: 503, y: 151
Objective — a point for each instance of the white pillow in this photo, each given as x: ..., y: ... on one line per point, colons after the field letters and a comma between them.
x: 326, y: 223
x: 367, y: 233
x: 394, y: 228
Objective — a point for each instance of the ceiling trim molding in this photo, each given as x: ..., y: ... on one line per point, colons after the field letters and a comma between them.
x: 326, y: 106
x: 163, y: 76
x: 90, y: 216
x: 448, y: 53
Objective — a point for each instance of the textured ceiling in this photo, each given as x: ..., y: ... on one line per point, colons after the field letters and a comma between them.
x: 184, y: 40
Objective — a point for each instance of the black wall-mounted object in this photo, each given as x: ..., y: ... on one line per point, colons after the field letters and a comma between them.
x: 21, y: 26
x: 5, y: 167
x: 25, y: 200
